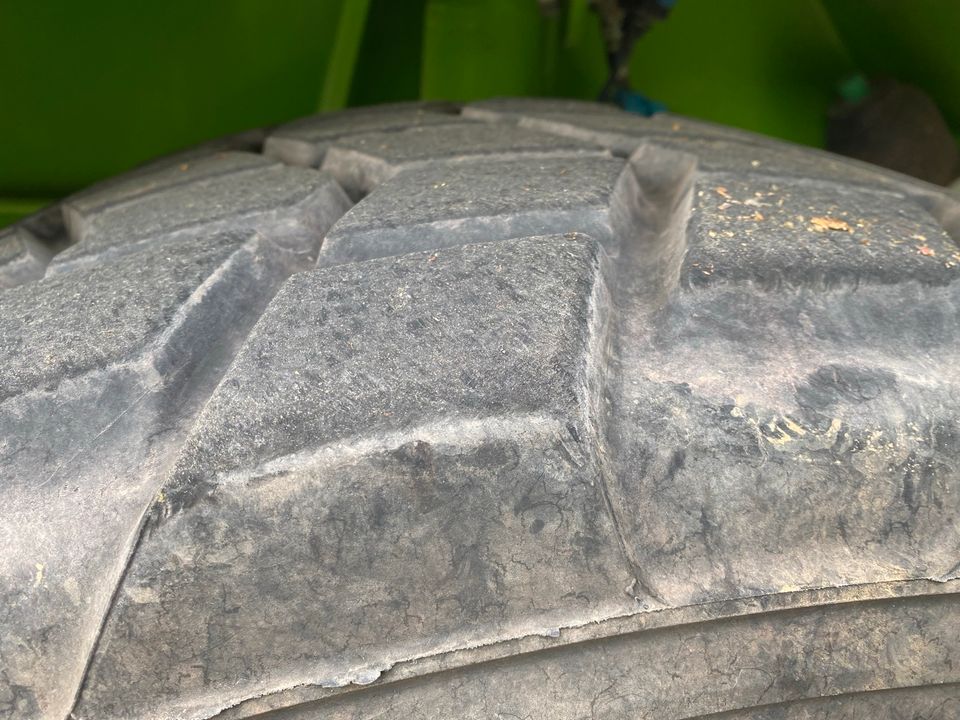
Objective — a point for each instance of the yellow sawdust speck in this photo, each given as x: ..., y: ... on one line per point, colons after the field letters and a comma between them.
x: 822, y: 224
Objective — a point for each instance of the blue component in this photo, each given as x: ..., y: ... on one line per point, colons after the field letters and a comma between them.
x: 632, y: 101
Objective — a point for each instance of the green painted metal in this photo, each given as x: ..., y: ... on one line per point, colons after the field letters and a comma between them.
x: 495, y: 45
x: 388, y: 66
x: 92, y: 88
x: 765, y: 66
x: 338, y: 76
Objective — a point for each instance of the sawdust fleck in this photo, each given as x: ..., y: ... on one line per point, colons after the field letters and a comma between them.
x: 822, y: 224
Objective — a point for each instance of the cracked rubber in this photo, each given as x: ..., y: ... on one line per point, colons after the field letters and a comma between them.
x: 524, y: 409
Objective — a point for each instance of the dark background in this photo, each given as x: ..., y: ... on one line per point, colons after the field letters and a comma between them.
x: 92, y: 88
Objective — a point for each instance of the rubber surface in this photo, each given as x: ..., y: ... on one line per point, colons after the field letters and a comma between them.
x: 527, y: 409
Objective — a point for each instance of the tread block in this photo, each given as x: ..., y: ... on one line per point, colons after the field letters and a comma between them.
x: 785, y: 160
x: 780, y: 232
x: 362, y: 161
x: 790, y: 418
x: 468, y: 323
x: 292, y: 207
x: 22, y: 257
x: 246, y: 141
x: 431, y: 487
x: 441, y: 206
x: 97, y: 369
x: 621, y: 131
x: 605, y: 124
x: 718, y: 148
x: 67, y: 326
x: 250, y: 141
x: 305, y: 141
x: 80, y: 208
x: 507, y: 108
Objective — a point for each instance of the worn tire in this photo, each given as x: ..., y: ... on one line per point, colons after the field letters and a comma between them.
x: 529, y: 409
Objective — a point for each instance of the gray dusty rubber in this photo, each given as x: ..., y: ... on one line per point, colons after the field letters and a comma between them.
x: 526, y: 409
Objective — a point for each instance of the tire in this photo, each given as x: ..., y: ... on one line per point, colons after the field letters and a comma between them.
x: 527, y: 409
